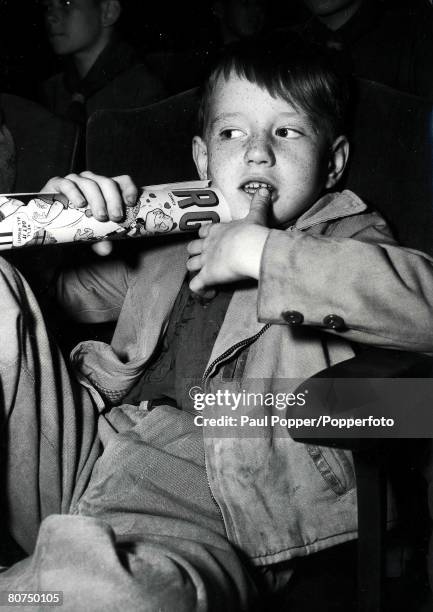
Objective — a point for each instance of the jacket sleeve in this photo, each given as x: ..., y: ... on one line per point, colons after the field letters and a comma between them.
x: 94, y: 294
x: 379, y: 293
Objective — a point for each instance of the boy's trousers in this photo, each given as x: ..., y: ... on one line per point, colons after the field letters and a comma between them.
x: 145, y: 538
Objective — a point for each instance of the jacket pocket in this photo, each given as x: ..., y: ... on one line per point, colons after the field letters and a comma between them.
x: 335, y: 467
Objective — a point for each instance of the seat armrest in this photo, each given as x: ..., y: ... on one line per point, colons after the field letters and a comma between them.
x: 369, y: 363
x: 380, y: 363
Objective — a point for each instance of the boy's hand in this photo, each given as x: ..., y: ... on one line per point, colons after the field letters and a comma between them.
x: 228, y: 252
x: 106, y: 197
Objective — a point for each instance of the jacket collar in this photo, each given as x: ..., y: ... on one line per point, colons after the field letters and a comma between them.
x: 116, y: 57
x: 330, y: 207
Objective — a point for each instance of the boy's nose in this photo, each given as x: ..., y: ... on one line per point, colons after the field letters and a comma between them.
x: 52, y: 15
x: 260, y: 151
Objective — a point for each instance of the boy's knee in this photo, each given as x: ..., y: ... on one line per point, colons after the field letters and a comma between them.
x: 79, y: 550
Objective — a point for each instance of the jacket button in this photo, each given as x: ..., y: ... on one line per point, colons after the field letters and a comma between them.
x: 333, y: 321
x: 293, y: 317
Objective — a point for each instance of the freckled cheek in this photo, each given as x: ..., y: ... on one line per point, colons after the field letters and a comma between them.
x: 221, y: 164
x: 303, y: 165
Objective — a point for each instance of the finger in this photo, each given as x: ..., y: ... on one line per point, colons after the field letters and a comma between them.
x: 92, y: 194
x: 111, y: 195
x: 194, y: 263
x: 204, y: 230
x: 68, y: 187
x: 195, y: 247
x: 198, y: 288
x: 102, y: 248
x: 260, y: 207
x: 128, y: 189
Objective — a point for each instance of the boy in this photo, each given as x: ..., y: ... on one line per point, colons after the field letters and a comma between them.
x: 102, y: 70
x: 170, y: 516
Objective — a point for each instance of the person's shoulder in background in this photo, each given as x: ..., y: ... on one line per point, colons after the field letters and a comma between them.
x: 387, y: 42
x: 118, y: 79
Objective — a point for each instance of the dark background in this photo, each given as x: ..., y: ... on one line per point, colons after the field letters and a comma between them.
x: 26, y: 59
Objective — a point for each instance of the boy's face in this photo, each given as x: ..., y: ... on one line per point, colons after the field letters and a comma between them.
x: 73, y: 25
x: 252, y: 138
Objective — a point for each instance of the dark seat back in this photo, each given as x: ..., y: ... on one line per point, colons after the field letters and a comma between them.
x: 44, y: 143
x: 152, y: 144
x: 391, y: 162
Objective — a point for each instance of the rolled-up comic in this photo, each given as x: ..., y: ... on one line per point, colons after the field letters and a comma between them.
x: 47, y: 218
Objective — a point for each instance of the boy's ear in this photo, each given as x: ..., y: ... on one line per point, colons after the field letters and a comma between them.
x: 339, y: 154
x: 110, y: 12
x: 199, y: 154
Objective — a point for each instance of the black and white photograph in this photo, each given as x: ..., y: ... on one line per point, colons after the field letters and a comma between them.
x: 216, y: 305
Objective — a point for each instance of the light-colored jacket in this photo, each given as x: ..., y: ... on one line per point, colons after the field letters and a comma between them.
x: 279, y: 498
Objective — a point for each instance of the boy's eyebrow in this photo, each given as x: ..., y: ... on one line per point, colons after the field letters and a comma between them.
x: 225, y: 117
x: 294, y: 115
x: 302, y: 118
x: 281, y: 117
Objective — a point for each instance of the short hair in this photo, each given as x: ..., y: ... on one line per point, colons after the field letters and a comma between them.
x: 310, y: 77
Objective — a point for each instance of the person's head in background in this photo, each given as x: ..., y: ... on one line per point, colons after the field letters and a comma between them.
x: 333, y: 13
x: 81, y: 29
x: 7, y: 157
x: 239, y: 18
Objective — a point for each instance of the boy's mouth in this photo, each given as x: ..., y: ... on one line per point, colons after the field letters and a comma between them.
x: 251, y: 187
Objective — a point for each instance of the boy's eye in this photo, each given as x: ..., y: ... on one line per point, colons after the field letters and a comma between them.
x: 286, y: 132
x: 231, y: 133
